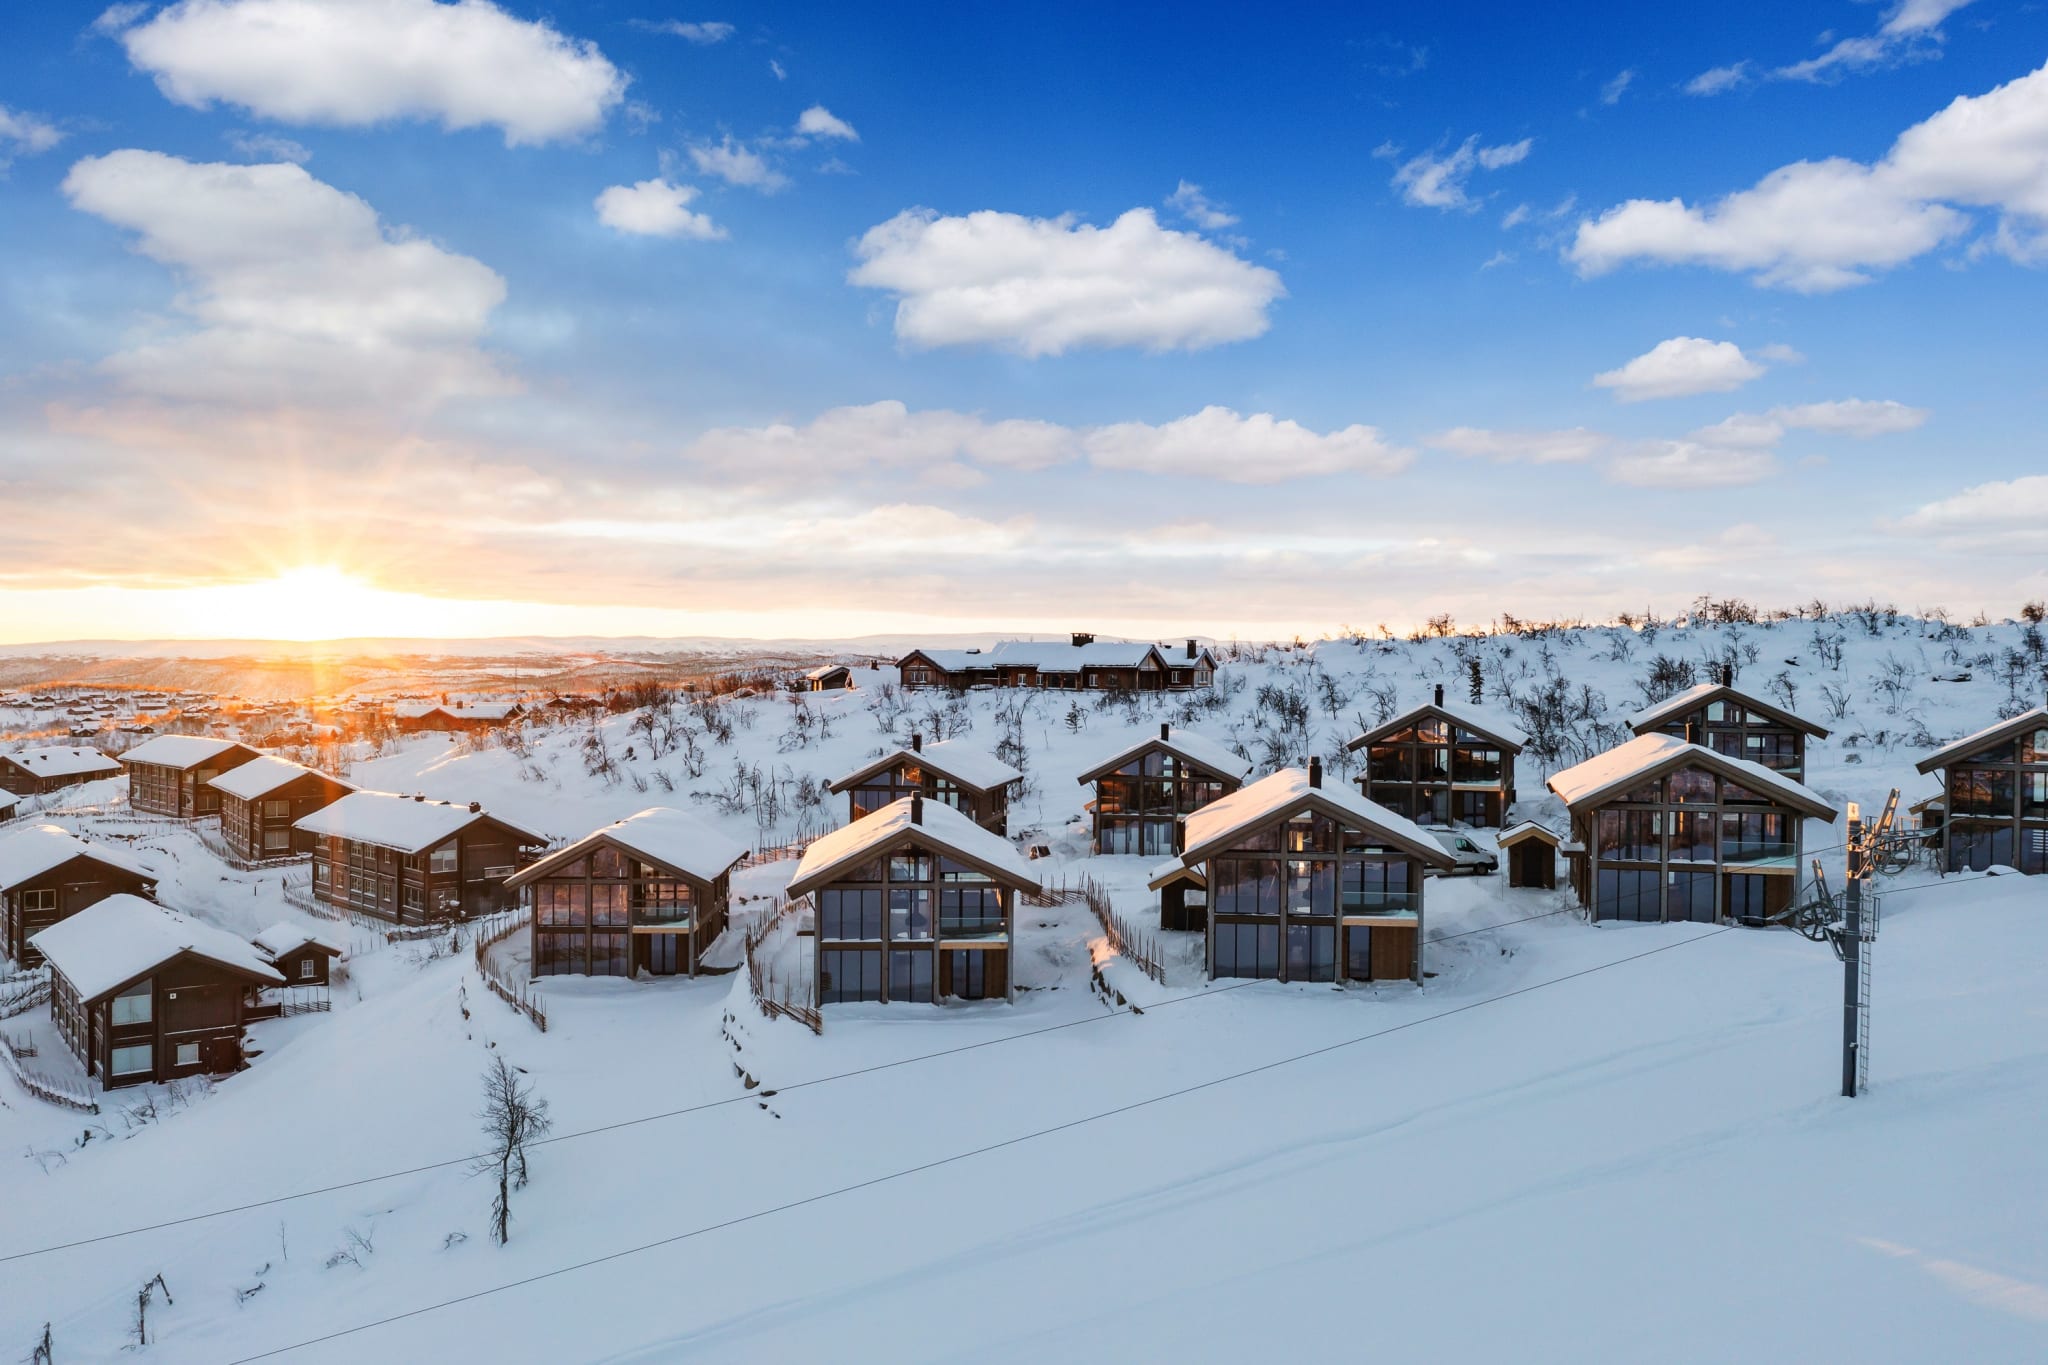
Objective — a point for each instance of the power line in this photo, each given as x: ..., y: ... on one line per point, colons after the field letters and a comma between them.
x: 983, y: 1150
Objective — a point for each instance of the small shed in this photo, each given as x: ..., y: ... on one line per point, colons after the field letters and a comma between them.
x: 1532, y: 855
x: 301, y: 958
x: 829, y: 678
x: 1183, y: 895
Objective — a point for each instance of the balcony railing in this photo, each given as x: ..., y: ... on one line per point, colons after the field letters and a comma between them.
x: 1382, y: 903
x: 970, y: 928
x: 1735, y: 854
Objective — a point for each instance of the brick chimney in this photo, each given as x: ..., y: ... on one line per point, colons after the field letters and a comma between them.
x: 1191, y: 649
x: 1315, y: 774
x: 917, y: 808
x: 917, y: 744
x: 476, y: 808
x: 1082, y: 637
x: 1439, y: 694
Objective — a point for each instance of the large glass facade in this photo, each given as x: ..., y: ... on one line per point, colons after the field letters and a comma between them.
x: 584, y: 914
x: 1998, y: 806
x: 1283, y: 899
x: 1433, y: 771
x: 883, y: 927
x: 1139, y: 807
x: 1658, y: 850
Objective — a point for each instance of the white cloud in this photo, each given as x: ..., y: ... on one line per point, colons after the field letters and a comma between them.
x: 775, y: 69
x: 266, y: 146
x: 818, y: 121
x: 737, y: 165
x: 702, y: 34
x: 1188, y: 200
x: 655, y: 208
x: 1218, y: 443
x: 1437, y: 179
x: 1857, y: 417
x: 1043, y: 286
x: 355, y: 62
x: 1911, y: 32
x: 1612, y: 92
x: 114, y: 18
x: 1822, y: 225
x: 1520, y: 447
x: 1689, y: 464
x: 1719, y: 80
x: 25, y: 134
x: 1680, y: 367
x: 2012, y: 513
x: 297, y: 293
x: 1778, y: 353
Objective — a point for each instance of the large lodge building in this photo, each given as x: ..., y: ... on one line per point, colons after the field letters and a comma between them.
x: 49, y: 874
x: 33, y: 772
x: 262, y: 800
x: 1085, y: 664
x: 173, y: 774
x: 410, y: 860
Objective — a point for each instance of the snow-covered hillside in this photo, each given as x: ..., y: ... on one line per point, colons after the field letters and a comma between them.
x: 1573, y: 1142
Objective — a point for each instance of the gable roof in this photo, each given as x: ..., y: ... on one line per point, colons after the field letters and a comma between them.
x: 1480, y: 723
x: 261, y: 776
x: 671, y: 838
x: 180, y: 751
x: 943, y: 830
x: 285, y: 937
x: 32, y: 851
x: 64, y: 760
x: 112, y: 942
x: 1050, y: 656
x: 826, y: 670
x: 1283, y: 795
x: 1528, y: 829
x: 406, y: 824
x: 953, y: 758
x: 1984, y: 739
x: 1654, y: 754
x: 951, y: 660
x: 1174, y: 870
x: 1202, y: 752
x: 1693, y: 698
x: 8, y: 800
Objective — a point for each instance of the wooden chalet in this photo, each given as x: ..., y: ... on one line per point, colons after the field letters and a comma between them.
x: 1733, y: 723
x: 828, y: 678
x: 1531, y: 851
x: 953, y: 773
x: 1663, y: 829
x: 262, y: 801
x: 410, y: 860
x: 1441, y: 763
x: 1145, y: 791
x: 302, y: 958
x: 1183, y: 895
x: 173, y: 774
x: 1995, y: 796
x: 140, y: 994
x: 32, y: 772
x: 1084, y: 664
x: 1311, y: 883
x: 644, y: 894
x: 10, y: 806
x: 454, y: 717
x: 915, y: 902
x: 49, y: 874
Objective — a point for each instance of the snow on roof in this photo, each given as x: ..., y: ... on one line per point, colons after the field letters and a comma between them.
x: 1984, y: 738
x: 1049, y: 656
x: 1692, y: 698
x: 1196, y: 749
x: 943, y: 828
x: 484, y: 710
x: 178, y: 751
x: 1625, y: 764
x: 826, y: 671
x: 34, y: 850
x: 659, y: 834
x: 1287, y: 791
x: 1485, y: 722
x: 1172, y: 870
x: 413, y: 710
x: 261, y: 776
x: 1526, y: 829
x: 8, y: 799
x: 954, y: 758
x: 113, y: 941
x: 65, y: 760
x: 404, y: 823
x: 955, y: 660
x: 284, y: 937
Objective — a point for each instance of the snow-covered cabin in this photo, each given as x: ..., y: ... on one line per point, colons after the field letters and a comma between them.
x: 646, y: 893
x: 408, y: 859
x: 300, y: 956
x: 10, y: 805
x: 953, y: 773
x: 1308, y: 882
x: 141, y: 994
x: 261, y: 801
x: 1995, y: 796
x: 409, y: 717
x: 1082, y: 664
x: 1441, y: 763
x: 828, y: 678
x: 172, y: 774
x: 31, y: 772
x: 1663, y: 829
x: 1733, y: 723
x: 48, y: 874
x: 1143, y: 791
x: 915, y: 902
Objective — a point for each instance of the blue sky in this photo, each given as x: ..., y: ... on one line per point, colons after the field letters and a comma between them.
x: 1393, y: 250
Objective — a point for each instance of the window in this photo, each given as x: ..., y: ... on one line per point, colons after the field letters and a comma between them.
x: 43, y: 898
x: 910, y: 913
x: 276, y: 809
x: 910, y: 977
x: 187, y: 1055
x: 1247, y: 950
x: 309, y: 968
x: 276, y: 839
x: 849, y: 974
x: 136, y: 1060
x: 442, y: 859
x: 849, y: 914
x: 1311, y: 952
x: 134, y: 1005
x: 968, y: 975
x: 409, y: 897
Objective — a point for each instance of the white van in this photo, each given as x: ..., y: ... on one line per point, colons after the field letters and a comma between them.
x: 1471, y: 857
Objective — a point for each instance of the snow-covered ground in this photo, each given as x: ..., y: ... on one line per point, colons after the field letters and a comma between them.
x: 1612, y: 1142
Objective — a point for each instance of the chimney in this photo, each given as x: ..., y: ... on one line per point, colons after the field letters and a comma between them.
x: 1315, y: 774
x: 420, y: 797
x: 1082, y: 637
x: 476, y: 808
x: 917, y: 808
x: 1191, y: 649
x: 1165, y: 730
x: 1439, y: 694
x: 917, y: 743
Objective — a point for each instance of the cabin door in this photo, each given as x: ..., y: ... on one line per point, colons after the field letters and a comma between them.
x: 663, y: 954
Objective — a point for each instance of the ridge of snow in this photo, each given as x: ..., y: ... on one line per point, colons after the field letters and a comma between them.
x: 27, y: 853
x: 178, y: 751
x: 261, y: 776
